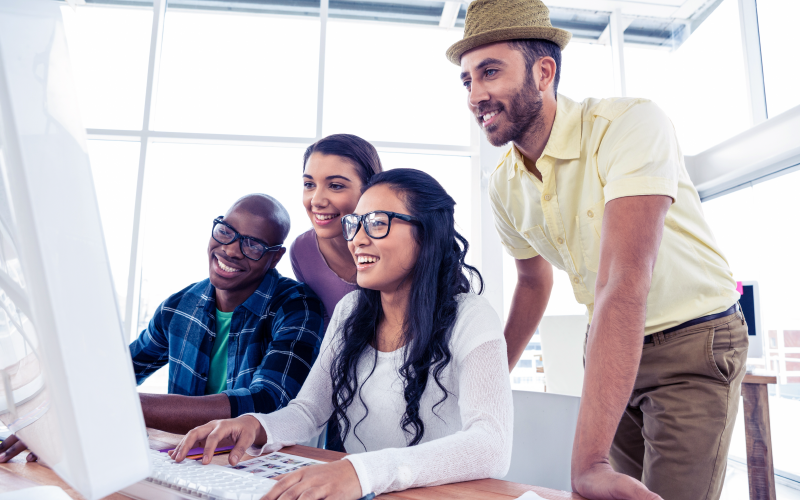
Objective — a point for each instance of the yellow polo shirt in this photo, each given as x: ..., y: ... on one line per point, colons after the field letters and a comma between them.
x: 600, y: 150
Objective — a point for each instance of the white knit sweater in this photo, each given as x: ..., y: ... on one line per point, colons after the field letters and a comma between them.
x: 466, y: 437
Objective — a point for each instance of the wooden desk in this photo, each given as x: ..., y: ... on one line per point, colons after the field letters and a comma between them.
x: 19, y: 474
x: 760, y: 471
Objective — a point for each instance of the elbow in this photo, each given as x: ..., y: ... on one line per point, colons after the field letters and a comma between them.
x: 499, y: 448
x: 501, y: 468
x: 631, y: 286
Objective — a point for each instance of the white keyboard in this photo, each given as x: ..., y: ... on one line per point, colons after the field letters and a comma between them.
x: 190, y: 480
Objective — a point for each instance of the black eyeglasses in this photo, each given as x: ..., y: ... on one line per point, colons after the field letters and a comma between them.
x: 376, y: 224
x: 252, y: 248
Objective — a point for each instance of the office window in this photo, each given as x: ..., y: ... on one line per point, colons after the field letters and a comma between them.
x: 777, y: 25
x: 452, y: 172
x: 186, y: 187
x: 701, y: 85
x: 391, y: 82
x: 237, y: 73
x: 108, y: 48
x: 754, y: 229
x: 586, y: 71
x: 114, y: 168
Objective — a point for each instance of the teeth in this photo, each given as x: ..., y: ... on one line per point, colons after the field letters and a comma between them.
x: 227, y: 269
x: 367, y: 259
x: 325, y: 217
x: 489, y: 116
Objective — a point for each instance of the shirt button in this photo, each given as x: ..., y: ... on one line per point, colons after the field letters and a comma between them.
x: 576, y: 280
x: 547, y: 197
x: 590, y: 213
x: 560, y: 241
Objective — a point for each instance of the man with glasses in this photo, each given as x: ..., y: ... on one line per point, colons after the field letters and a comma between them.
x: 242, y: 340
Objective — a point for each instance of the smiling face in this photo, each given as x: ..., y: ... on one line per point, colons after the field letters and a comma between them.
x: 384, y: 264
x: 331, y: 188
x: 502, y: 94
x: 229, y: 270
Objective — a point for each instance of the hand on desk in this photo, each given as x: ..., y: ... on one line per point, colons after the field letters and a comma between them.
x: 600, y: 482
x: 12, y: 447
x: 332, y: 481
x: 241, y: 432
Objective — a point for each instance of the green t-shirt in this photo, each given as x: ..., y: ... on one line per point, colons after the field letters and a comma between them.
x: 218, y: 368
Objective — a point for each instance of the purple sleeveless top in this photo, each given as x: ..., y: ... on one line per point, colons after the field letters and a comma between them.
x: 309, y: 267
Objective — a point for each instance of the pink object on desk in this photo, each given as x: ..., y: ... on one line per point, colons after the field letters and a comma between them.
x: 739, y: 288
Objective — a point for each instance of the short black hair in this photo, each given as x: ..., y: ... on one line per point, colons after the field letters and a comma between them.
x: 361, y: 153
x: 269, y: 208
x: 534, y: 49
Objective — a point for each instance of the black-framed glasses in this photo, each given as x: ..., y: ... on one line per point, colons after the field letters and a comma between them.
x: 252, y: 248
x: 376, y: 224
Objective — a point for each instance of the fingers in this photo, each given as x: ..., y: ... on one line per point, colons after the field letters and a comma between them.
x: 11, y: 448
x: 212, y: 440
x: 189, y: 440
x: 284, y: 483
x: 32, y: 457
x: 626, y: 487
x: 10, y: 440
x: 248, y: 430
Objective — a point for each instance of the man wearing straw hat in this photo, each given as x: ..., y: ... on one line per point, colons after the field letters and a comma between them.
x: 599, y: 190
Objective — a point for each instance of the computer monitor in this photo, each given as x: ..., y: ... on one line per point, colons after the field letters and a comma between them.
x: 67, y: 387
x: 751, y: 307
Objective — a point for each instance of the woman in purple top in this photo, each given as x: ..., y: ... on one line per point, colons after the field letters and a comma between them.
x: 335, y: 170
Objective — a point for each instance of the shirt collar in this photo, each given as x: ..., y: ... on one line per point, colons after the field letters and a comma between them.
x: 256, y: 303
x: 565, y: 137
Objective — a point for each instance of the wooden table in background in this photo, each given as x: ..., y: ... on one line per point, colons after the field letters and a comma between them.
x: 18, y: 475
x: 760, y: 471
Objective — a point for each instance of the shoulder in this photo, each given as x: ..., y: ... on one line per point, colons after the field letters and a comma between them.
x: 288, y: 290
x: 627, y: 111
x: 196, y: 292
x: 345, y: 306
x: 303, y: 243
x: 477, y: 323
x: 504, y: 162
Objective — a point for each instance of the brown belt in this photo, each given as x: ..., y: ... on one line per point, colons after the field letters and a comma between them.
x: 648, y: 339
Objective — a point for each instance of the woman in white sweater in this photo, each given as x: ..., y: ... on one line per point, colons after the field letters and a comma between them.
x: 413, y: 364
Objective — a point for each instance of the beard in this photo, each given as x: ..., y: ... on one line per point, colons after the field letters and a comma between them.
x: 523, y: 115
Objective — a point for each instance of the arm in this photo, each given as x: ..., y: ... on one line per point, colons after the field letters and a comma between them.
x: 631, y: 236
x: 534, y: 284
x: 150, y: 350
x: 297, y: 331
x: 179, y: 414
x: 480, y: 450
x: 297, y: 422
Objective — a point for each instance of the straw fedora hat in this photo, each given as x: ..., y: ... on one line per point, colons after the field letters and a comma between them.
x: 490, y: 21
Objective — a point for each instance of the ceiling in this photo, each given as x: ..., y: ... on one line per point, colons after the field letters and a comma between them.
x: 656, y: 23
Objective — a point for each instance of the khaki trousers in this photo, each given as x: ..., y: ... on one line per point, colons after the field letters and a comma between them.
x: 676, y: 430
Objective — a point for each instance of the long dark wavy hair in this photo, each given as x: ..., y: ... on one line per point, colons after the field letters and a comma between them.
x: 438, y: 276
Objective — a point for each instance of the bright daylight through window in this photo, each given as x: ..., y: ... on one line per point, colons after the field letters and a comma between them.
x: 236, y: 103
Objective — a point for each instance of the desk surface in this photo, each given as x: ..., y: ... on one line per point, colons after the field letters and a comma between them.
x: 19, y: 474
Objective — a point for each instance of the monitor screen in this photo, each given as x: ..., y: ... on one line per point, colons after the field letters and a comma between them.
x: 67, y: 389
x: 747, y: 301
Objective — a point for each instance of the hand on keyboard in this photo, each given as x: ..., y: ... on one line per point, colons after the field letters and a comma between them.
x: 332, y: 481
x: 241, y: 432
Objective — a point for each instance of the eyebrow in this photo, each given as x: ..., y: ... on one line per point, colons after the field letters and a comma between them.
x: 330, y: 177
x: 486, y: 62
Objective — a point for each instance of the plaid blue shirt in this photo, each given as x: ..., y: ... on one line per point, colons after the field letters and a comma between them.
x: 274, y: 339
